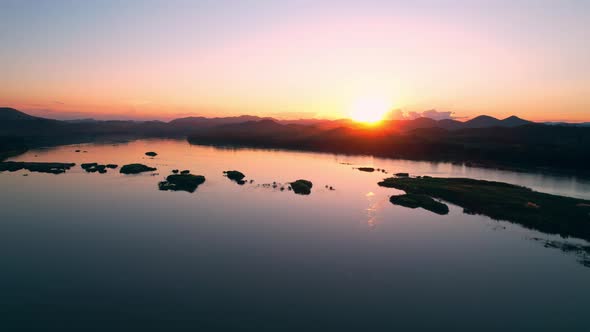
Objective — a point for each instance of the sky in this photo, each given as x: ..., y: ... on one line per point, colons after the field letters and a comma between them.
x: 296, y: 59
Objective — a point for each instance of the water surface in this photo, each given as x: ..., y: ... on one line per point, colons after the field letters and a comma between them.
x: 107, y: 251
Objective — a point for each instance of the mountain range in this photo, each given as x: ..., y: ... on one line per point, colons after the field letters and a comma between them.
x: 8, y: 115
x: 512, y: 142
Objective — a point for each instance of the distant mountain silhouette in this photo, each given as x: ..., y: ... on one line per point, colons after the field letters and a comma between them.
x: 482, y: 121
x: 13, y: 122
x: 199, y: 121
x: 450, y: 124
x: 11, y: 114
x: 514, y: 121
x: 486, y: 121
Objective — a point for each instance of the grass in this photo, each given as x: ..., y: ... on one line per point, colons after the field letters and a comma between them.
x: 502, y: 201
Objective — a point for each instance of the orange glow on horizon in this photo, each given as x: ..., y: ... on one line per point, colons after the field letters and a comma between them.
x: 369, y: 110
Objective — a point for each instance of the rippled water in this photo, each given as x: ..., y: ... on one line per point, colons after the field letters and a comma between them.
x: 105, y: 251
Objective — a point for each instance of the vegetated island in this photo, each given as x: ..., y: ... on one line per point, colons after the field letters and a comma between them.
x: 52, y: 168
x: 547, y: 213
x: 136, y: 169
x: 182, y: 182
x: 235, y: 176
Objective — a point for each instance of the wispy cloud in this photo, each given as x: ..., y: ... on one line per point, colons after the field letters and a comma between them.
x: 432, y: 114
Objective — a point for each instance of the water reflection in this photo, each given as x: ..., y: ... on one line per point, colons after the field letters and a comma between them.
x: 580, y: 250
x: 376, y: 204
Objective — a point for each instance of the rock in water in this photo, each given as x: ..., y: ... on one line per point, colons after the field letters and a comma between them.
x: 95, y: 167
x: 236, y: 176
x: 302, y: 187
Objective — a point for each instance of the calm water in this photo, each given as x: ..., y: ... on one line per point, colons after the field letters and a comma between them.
x: 111, y: 252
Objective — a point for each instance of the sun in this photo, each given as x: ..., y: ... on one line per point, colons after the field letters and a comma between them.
x: 369, y: 110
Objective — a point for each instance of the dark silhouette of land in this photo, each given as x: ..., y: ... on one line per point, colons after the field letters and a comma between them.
x: 511, y: 143
x: 528, y: 146
x: 235, y: 176
x: 136, y: 169
x: 414, y: 201
x: 547, y: 213
x: 41, y: 167
x: 182, y: 182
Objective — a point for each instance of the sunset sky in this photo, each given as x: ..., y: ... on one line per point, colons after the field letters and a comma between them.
x: 293, y: 59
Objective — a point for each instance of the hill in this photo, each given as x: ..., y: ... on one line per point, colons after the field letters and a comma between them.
x: 11, y: 114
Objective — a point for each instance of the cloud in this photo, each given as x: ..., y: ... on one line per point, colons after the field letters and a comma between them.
x: 433, y: 114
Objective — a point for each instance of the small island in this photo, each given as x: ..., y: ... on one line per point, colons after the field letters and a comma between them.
x: 302, y: 187
x: 40, y: 167
x: 94, y: 167
x: 235, y: 176
x: 366, y: 169
x: 136, y: 169
x: 182, y: 182
x: 151, y: 154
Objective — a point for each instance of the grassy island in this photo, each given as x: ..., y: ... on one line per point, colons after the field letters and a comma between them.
x: 502, y: 201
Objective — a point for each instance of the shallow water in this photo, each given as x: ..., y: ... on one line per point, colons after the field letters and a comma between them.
x: 87, y: 250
